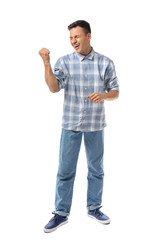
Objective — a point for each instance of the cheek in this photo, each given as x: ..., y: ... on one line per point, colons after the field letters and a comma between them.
x: 81, y: 42
x: 85, y: 42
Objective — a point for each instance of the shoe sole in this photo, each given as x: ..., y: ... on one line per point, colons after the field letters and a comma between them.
x: 100, y: 221
x: 53, y: 229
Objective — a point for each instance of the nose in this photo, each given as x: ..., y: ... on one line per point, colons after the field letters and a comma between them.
x: 74, y: 40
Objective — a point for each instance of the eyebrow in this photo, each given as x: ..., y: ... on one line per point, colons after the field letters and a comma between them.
x: 74, y: 36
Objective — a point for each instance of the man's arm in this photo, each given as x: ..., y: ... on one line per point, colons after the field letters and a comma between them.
x: 98, y: 97
x: 50, y: 78
x: 111, y: 95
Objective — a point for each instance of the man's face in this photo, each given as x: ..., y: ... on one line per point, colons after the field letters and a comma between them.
x: 80, y: 40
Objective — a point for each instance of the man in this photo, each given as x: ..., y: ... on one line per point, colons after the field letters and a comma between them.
x: 88, y: 78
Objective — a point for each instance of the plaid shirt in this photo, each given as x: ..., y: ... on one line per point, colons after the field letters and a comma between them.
x: 80, y: 76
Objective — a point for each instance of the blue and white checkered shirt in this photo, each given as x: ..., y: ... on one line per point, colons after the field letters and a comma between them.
x: 80, y: 76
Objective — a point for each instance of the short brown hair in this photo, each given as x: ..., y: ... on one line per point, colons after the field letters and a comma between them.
x: 81, y: 23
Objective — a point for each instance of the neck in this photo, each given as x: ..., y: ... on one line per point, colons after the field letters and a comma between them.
x: 88, y: 50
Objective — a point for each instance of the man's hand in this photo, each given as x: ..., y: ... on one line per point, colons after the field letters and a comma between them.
x: 97, y: 97
x: 44, y: 53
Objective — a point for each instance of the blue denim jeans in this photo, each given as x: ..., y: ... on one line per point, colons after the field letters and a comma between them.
x: 68, y: 157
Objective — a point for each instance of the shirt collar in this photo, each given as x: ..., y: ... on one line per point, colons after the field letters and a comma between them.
x: 89, y: 56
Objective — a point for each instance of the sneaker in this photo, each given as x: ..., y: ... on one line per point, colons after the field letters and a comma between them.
x: 55, y: 223
x: 99, y: 216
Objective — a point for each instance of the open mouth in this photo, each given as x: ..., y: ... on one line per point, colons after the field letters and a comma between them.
x: 76, y: 46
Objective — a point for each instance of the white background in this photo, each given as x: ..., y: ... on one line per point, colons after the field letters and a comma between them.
x: 30, y: 119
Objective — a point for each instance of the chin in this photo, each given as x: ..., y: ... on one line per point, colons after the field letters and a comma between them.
x: 80, y: 52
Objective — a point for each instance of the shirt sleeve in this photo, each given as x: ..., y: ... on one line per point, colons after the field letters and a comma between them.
x: 111, y: 80
x: 59, y: 72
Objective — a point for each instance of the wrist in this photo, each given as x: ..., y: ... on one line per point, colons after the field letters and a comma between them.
x: 46, y: 63
x: 104, y: 95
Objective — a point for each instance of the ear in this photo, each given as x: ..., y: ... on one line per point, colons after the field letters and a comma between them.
x: 89, y: 36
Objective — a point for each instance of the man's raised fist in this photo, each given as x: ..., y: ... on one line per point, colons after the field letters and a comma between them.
x: 44, y: 53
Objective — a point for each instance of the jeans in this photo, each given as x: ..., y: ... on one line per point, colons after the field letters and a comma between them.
x: 68, y: 157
